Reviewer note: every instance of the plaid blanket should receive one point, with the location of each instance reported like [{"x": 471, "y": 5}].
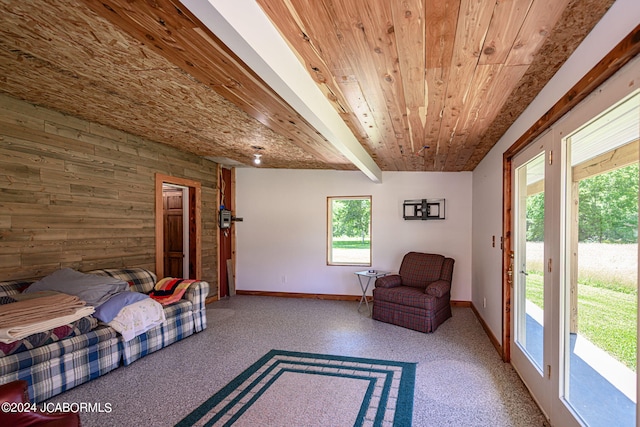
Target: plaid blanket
[
  {"x": 73, "y": 329},
  {"x": 20, "y": 319},
  {"x": 170, "y": 290}
]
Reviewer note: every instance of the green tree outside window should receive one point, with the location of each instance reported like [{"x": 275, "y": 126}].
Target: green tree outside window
[{"x": 349, "y": 230}]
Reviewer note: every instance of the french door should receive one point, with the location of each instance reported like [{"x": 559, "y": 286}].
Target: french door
[
  {"x": 574, "y": 306},
  {"x": 599, "y": 282},
  {"x": 531, "y": 310}
]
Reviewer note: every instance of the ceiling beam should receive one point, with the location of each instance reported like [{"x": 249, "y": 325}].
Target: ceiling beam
[
  {"x": 247, "y": 31},
  {"x": 607, "y": 162}
]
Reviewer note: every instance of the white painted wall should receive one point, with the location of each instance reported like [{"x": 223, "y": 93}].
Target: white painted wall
[
  {"x": 619, "y": 21},
  {"x": 281, "y": 244}
]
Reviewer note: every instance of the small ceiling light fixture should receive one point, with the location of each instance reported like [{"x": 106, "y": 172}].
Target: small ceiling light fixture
[{"x": 256, "y": 157}]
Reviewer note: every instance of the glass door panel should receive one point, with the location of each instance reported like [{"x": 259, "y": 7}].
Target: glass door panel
[
  {"x": 528, "y": 260},
  {"x": 600, "y": 279},
  {"x": 530, "y": 322}
]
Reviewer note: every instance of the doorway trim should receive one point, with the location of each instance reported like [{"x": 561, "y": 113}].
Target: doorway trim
[
  {"x": 195, "y": 188},
  {"x": 617, "y": 58},
  {"x": 186, "y": 224},
  {"x": 226, "y": 195}
]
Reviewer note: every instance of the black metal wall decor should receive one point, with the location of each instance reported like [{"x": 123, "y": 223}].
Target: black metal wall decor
[{"x": 423, "y": 209}]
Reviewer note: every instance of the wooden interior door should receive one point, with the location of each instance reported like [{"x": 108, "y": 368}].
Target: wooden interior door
[
  {"x": 194, "y": 224},
  {"x": 173, "y": 217}
]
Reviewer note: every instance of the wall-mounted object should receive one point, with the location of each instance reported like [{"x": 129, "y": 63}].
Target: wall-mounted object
[
  {"x": 423, "y": 209},
  {"x": 225, "y": 218}
]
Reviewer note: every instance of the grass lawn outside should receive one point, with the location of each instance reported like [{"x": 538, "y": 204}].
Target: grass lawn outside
[
  {"x": 351, "y": 244},
  {"x": 609, "y": 265},
  {"x": 352, "y": 251},
  {"x": 606, "y": 317},
  {"x": 607, "y": 294}
]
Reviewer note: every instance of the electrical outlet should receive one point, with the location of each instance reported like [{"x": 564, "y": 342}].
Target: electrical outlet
[
  {"x": 284, "y": 278},
  {"x": 484, "y": 302}
]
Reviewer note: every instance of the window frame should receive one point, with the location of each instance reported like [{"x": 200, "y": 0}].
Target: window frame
[{"x": 330, "y": 260}]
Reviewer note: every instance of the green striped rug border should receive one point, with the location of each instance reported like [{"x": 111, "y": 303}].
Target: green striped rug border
[{"x": 404, "y": 403}]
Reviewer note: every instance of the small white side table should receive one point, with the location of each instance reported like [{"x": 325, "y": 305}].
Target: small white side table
[{"x": 369, "y": 274}]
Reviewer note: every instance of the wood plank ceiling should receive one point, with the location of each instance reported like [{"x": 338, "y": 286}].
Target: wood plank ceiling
[{"x": 424, "y": 85}]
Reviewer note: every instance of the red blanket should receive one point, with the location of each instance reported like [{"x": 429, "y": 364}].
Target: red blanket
[{"x": 170, "y": 290}]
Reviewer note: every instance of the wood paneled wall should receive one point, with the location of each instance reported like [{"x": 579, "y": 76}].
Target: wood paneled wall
[{"x": 81, "y": 195}]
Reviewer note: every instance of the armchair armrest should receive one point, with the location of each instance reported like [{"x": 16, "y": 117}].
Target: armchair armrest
[
  {"x": 18, "y": 392},
  {"x": 391, "y": 281},
  {"x": 14, "y": 392},
  {"x": 197, "y": 293},
  {"x": 438, "y": 288}
]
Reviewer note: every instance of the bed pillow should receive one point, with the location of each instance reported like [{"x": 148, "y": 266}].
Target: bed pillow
[
  {"x": 110, "y": 309},
  {"x": 138, "y": 318},
  {"x": 91, "y": 288}
]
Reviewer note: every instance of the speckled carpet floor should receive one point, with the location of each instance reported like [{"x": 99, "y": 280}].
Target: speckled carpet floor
[{"x": 460, "y": 379}]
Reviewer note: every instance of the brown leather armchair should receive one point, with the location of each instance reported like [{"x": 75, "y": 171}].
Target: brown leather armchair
[
  {"x": 418, "y": 297},
  {"x": 18, "y": 392}
]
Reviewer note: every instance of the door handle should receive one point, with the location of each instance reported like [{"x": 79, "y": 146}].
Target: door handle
[
  {"x": 524, "y": 272},
  {"x": 510, "y": 270}
]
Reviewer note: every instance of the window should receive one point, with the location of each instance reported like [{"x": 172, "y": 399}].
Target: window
[{"x": 349, "y": 230}]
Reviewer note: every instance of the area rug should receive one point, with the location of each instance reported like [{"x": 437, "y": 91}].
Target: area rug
[{"x": 286, "y": 388}]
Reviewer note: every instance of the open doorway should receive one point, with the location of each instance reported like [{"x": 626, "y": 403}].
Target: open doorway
[
  {"x": 226, "y": 237},
  {"x": 178, "y": 229}
]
